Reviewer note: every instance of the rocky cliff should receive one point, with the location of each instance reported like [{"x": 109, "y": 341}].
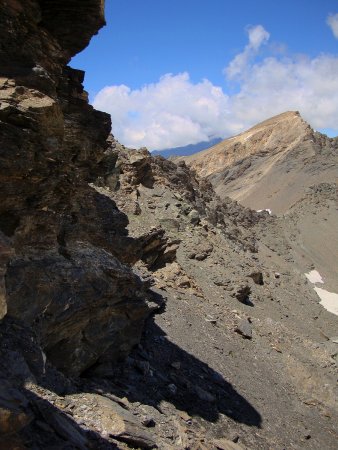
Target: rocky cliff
[
  {"x": 270, "y": 165},
  {"x": 64, "y": 245},
  {"x": 65, "y": 261}
]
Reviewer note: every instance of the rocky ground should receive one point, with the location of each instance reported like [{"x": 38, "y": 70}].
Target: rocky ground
[{"x": 242, "y": 345}]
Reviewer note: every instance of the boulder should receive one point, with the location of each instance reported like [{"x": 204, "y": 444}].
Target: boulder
[{"x": 112, "y": 420}]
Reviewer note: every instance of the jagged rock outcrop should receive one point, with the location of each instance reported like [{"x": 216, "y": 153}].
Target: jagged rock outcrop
[
  {"x": 129, "y": 173},
  {"x": 65, "y": 251},
  {"x": 271, "y": 164}
]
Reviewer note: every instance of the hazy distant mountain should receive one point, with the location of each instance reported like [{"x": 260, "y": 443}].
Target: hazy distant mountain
[
  {"x": 187, "y": 149},
  {"x": 271, "y": 164}
]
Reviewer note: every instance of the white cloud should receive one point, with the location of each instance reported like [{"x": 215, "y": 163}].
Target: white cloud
[
  {"x": 257, "y": 36},
  {"x": 332, "y": 22},
  {"x": 175, "y": 111},
  {"x": 172, "y": 112}
]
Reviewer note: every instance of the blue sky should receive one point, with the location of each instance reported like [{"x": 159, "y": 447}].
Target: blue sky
[{"x": 179, "y": 72}]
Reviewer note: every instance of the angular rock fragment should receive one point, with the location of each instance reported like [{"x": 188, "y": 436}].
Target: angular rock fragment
[
  {"x": 257, "y": 278},
  {"x": 225, "y": 444},
  {"x": 194, "y": 217},
  {"x": 244, "y": 328},
  {"x": 113, "y": 420}
]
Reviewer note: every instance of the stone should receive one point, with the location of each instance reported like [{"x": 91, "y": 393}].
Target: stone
[
  {"x": 142, "y": 366},
  {"x": 114, "y": 420},
  {"x": 176, "y": 365},
  {"x": 96, "y": 281},
  {"x": 201, "y": 256},
  {"x": 211, "y": 320},
  {"x": 257, "y": 278},
  {"x": 225, "y": 444},
  {"x": 185, "y": 208},
  {"x": 11, "y": 443},
  {"x": 149, "y": 422},
  {"x": 204, "y": 395},
  {"x": 194, "y": 217},
  {"x": 244, "y": 328},
  {"x": 170, "y": 224},
  {"x": 184, "y": 282}
]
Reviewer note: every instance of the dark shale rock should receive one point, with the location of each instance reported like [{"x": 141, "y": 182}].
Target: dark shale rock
[
  {"x": 76, "y": 304},
  {"x": 64, "y": 246}
]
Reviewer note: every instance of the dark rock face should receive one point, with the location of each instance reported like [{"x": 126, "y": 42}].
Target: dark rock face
[
  {"x": 64, "y": 246},
  {"x": 71, "y": 25},
  {"x": 82, "y": 304}
]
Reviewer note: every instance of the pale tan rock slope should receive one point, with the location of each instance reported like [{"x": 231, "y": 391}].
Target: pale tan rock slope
[{"x": 270, "y": 165}]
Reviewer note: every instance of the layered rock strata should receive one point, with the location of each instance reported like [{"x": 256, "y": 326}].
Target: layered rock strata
[{"x": 65, "y": 251}]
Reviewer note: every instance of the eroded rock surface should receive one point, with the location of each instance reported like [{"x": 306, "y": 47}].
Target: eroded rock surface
[{"x": 67, "y": 245}]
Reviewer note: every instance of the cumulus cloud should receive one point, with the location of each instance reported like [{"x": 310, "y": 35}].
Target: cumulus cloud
[
  {"x": 175, "y": 111},
  {"x": 277, "y": 85},
  {"x": 332, "y": 22},
  {"x": 172, "y": 112},
  {"x": 257, "y": 37}
]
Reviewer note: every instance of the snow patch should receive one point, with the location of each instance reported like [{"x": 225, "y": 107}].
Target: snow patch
[
  {"x": 267, "y": 209},
  {"x": 314, "y": 277},
  {"x": 329, "y": 300}
]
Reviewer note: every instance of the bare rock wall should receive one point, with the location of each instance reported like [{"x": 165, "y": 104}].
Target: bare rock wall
[{"x": 65, "y": 252}]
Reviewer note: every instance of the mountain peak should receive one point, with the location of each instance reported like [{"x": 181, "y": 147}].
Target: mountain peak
[
  {"x": 270, "y": 136},
  {"x": 279, "y": 151},
  {"x": 279, "y": 124}
]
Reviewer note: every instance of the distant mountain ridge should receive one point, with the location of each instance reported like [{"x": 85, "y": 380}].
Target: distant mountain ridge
[
  {"x": 271, "y": 164},
  {"x": 186, "y": 150}
]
